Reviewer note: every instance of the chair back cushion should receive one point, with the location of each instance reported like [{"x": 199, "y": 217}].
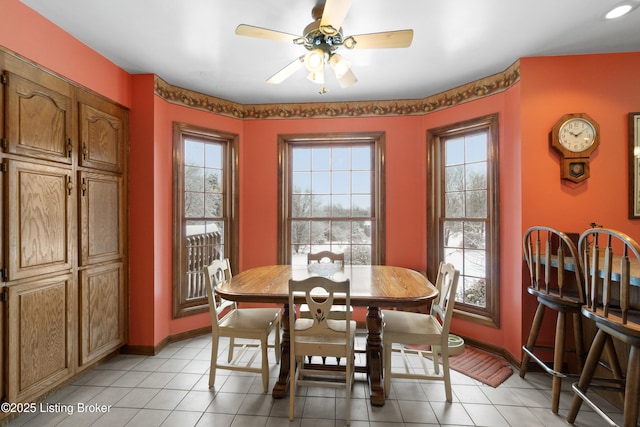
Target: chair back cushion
[{"x": 545, "y": 249}]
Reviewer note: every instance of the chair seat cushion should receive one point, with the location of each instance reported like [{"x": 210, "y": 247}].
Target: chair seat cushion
[
  {"x": 411, "y": 327},
  {"x": 333, "y": 324},
  {"x": 324, "y": 344},
  {"x": 250, "y": 318},
  {"x": 338, "y": 308}
]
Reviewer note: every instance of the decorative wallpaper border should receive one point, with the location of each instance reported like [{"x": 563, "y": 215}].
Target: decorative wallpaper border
[{"x": 487, "y": 86}]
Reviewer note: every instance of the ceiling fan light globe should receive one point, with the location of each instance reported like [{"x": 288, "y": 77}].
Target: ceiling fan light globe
[
  {"x": 339, "y": 65},
  {"x": 314, "y": 60},
  {"x": 347, "y": 79}
]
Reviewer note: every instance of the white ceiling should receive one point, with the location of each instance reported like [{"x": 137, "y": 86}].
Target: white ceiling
[{"x": 192, "y": 43}]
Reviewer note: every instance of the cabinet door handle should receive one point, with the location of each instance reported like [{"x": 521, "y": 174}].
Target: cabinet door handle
[
  {"x": 83, "y": 186},
  {"x": 69, "y": 147},
  {"x": 69, "y": 185},
  {"x": 85, "y": 151}
]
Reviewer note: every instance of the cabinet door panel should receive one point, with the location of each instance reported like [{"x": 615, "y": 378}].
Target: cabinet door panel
[
  {"x": 101, "y": 218},
  {"x": 102, "y": 305},
  {"x": 39, "y": 120},
  {"x": 101, "y": 134},
  {"x": 40, "y": 219},
  {"x": 41, "y": 335}
]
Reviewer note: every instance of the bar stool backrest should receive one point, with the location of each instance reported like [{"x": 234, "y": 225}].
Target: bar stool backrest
[
  {"x": 611, "y": 262},
  {"x": 545, "y": 249}
]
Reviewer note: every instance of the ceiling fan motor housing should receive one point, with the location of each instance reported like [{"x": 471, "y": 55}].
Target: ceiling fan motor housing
[{"x": 317, "y": 38}]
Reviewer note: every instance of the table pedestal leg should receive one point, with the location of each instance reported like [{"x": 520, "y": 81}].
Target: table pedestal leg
[
  {"x": 281, "y": 386},
  {"x": 374, "y": 356}
]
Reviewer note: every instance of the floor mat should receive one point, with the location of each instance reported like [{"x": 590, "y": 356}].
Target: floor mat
[{"x": 480, "y": 365}]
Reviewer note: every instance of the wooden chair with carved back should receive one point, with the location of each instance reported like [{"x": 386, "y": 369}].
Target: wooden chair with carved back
[
  {"x": 321, "y": 335},
  {"x": 431, "y": 329},
  {"x": 337, "y": 312}
]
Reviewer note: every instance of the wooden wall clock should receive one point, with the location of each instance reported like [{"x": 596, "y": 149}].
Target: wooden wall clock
[{"x": 575, "y": 136}]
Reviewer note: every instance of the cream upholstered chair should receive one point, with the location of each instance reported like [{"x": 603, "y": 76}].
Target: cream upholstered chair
[
  {"x": 320, "y": 335},
  {"x": 611, "y": 263},
  {"x": 337, "y": 312},
  {"x": 432, "y": 329},
  {"x": 555, "y": 270},
  {"x": 227, "y": 320}
]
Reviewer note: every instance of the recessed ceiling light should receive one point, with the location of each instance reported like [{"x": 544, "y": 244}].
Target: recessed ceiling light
[{"x": 618, "y": 11}]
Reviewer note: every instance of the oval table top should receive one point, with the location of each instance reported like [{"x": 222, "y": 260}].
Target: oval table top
[{"x": 371, "y": 285}]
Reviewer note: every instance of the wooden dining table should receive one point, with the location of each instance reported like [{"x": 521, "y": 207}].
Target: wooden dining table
[{"x": 372, "y": 286}]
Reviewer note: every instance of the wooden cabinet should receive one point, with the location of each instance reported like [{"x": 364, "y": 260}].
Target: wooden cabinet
[
  {"x": 102, "y": 292},
  {"x": 40, "y": 331},
  {"x": 102, "y": 308},
  {"x": 101, "y": 133},
  {"x": 63, "y": 240},
  {"x": 102, "y": 225},
  {"x": 101, "y": 218},
  {"x": 38, "y": 117},
  {"x": 40, "y": 219}
]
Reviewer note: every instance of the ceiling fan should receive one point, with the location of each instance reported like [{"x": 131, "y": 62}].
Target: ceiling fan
[{"x": 322, "y": 38}]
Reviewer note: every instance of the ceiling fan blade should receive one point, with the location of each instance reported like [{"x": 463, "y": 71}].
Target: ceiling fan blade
[
  {"x": 389, "y": 39},
  {"x": 287, "y": 71},
  {"x": 263, "y": 33},
  {"x": 347, "y": 79},
  {"x": 334, "y": 13}
]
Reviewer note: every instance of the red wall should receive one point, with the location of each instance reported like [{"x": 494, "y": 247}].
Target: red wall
[
  {"x": 506, "y": 104},
  {"x": 27, "y": 33},
  {"x": 165, "y": 115},
  {"x": 604, "y": 86},
  {"x": 142, "y": 304}
]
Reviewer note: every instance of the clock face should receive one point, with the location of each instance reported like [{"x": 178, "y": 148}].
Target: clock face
[{"x": 576, "y": 135}]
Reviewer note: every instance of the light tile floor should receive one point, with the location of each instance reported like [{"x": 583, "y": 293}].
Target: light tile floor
[{"x": 171, "y": 389}]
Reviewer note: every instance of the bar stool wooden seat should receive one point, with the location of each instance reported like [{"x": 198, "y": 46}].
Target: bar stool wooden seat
[
  {"x": 560, "y": 289},
  {"x": 611, "y": 260}
]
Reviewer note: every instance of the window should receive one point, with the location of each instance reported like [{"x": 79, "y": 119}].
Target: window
[
  {"x": 463, "y": 221},
  {"x": 205, "y": 179},
  {"x": 331, "y": 197}
]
